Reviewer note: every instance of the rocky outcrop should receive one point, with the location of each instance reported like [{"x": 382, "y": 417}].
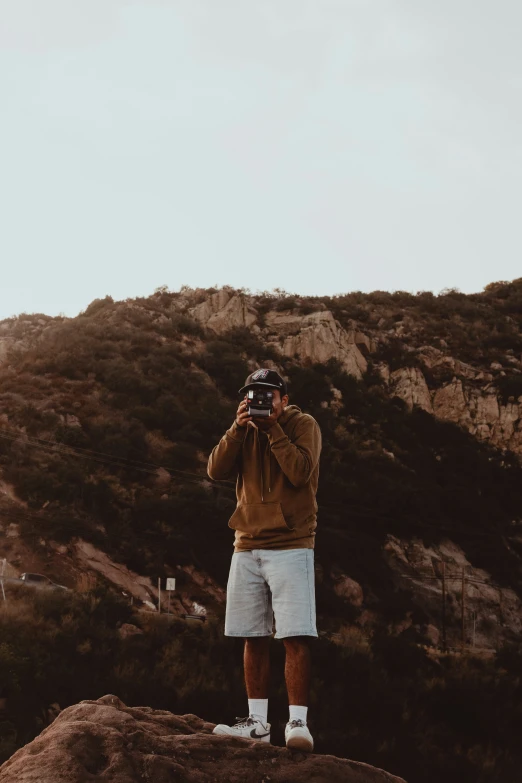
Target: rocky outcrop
[
  {"x": 493, "y": 614},
  {"x": 482, "y": 413},
  {"x": 104, "y": 740},
  {"x": 435, "y": 359},
  {"x": 94, "y": 559},
  {"x": 318, "y": 337},
  {"x": 223, "y": 311},
  {"x": 468, "y": 399},
  {"x": 410, "y": 385},
  {"x": 18, "y": 334},
  {"x": 348, "y": 589},
  {"x": 206, "y": 590}
]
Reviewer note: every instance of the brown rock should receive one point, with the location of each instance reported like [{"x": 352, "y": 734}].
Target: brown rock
[
  {"x": 410, "y": 385},
  {"x": 349, "y": 590},
  {"x": 94, "y": 559},
  {"x": 318, "y": 337},
  {"x": 221, "y": 312},
  {"x": 413, "y": 559},
  {"x": 104, "y": 740},
  {"x": 128, "y": 629}
]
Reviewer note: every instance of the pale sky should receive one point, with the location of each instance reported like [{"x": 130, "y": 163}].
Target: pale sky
[{"x": 320, "y": 146}]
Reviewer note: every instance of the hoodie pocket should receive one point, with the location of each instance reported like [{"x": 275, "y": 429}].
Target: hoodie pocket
[{"x": 257, "y": 518}]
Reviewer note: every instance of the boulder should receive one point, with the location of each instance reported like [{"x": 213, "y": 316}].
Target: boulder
[
  {"x": 128, "y": 629},
  {"x": 349, "y": 590},
  {"x": 104, "y": 740},
  {"x": 432, "y": 635}
]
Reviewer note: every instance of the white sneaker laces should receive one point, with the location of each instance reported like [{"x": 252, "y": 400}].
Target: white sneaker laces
[{"x": 248, "y": 721}]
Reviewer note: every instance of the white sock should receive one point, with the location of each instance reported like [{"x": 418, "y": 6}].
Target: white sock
[
  {"x": 298, "y": 713},
  {"x": 258, "y": 708}
]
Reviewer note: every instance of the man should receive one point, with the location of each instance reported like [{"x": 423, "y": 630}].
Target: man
[{"x": 276, "y": 461}]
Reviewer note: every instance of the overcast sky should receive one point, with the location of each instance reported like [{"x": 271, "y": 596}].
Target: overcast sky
[{"x": 320, "y": 146}]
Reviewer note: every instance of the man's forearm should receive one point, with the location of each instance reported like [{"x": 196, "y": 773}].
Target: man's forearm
[
  {"x": 223, "y": 459},
  {"x": 296, "y": 460}
]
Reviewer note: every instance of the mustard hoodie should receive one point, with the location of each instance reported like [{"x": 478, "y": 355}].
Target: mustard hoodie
[{"x": 277, "y": 474}]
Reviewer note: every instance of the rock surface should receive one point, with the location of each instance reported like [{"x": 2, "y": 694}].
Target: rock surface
[
  {"x": 318, "y": 337},
  {"x": 221, "y": 312},
  {"x": 469, "y": 399},
  {"x": 498, "y": 610},
  {"x": 104, "y": 740}
]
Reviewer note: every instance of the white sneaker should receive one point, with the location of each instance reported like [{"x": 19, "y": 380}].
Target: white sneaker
[
  {"x": 297, "y": 736},
  {"x": 247, "y": 728}
]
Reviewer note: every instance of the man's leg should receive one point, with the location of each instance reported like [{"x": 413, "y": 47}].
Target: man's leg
[
  {"x": 297, "y": 669},
  {"x": 256, "y": 659},
  {"x": 290, "y": 575},
  {"x": 297, "y": 676},
  {"x": 249, "y": 615}
]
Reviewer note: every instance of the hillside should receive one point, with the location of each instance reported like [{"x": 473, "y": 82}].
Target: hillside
[{"x": 107, "y": 419}]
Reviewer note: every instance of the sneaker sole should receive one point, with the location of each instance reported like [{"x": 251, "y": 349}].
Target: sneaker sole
[{"x": 300, "y": 743}]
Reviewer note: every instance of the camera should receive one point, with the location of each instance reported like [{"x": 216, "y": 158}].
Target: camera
[{"x": 259, "y": 402}]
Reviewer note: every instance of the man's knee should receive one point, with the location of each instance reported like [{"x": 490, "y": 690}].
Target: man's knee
[
  {"x": 257, "y": 642},
  {"x": 296, "y": 643}
]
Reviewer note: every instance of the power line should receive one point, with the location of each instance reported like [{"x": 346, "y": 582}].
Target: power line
[
  {"x": 151, "y": 468},
  {"x": 100, "y": 457}
]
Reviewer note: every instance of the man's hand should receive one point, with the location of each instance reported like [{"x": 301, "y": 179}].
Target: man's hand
[{"x": 242, "y": 417}]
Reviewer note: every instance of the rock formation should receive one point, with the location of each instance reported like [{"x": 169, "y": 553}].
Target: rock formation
[
  {"x": 469, "y": 399},
  {"x": 410, "y": 385},
  {"x": 464, "y": 394},
  {"x": 498, "y": 609},
  {"x": 222, "y": 311},
  {"x": 104, "y": 740},
  {"x": 90, "y": 559},
  {"x": 317, "y": 337}
]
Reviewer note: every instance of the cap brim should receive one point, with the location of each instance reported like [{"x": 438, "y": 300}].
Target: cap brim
[{"x": 252, "y": 385}]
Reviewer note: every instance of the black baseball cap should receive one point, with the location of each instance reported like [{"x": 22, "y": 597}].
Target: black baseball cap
[{"x": 269, "y": 378}]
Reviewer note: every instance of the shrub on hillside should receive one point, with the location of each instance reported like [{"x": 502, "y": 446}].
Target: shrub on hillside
[{"x": 509, "y": 386}]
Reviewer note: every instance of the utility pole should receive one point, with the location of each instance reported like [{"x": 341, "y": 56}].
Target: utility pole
[
  {"x": 444, "y": 641},
  {"x": 439, "y": 567},
  {"x": 2, "y": 578},
  {"x": 462, "y": 619}
]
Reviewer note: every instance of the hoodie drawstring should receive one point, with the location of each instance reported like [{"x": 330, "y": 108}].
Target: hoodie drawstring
[
  {"x": 260, "y": 462},
  {"x": 262, "y": 452}
]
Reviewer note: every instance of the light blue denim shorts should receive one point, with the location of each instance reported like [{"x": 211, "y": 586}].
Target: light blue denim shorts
[{"x": 267, "y": 585}]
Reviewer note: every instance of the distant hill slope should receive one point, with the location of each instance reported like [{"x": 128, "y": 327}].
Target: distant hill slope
[{"x": 107, "y": 419}]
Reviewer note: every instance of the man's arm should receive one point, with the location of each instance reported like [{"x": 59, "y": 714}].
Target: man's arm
[
  {"x": 297, "y": 459},
  {"x": 223, "y": 460}
]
